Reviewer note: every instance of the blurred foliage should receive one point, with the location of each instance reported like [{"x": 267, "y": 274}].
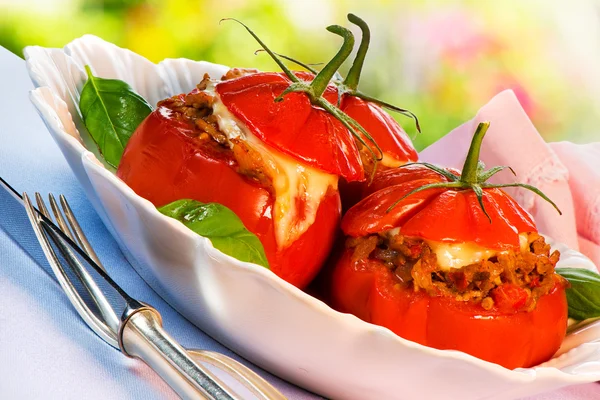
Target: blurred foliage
[{"x": 441, "y": 59}]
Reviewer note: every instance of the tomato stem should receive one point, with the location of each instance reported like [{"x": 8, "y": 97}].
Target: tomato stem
[
  {"x": 469, "y": 173},
  {"x": 319, "y": 84},
  {"x": 473, "y": 176},
  {"x": 388, "y": 106},
  {"x": 485, "y": 175},
  {"x": 354, "y": 127},
  {"x": 314, "y": 91},
  {"x": 525, "y": 186},
  {"x": 353, "y": 76},
  {"x": 307, "y": 67},
  {"x": 479, "y": 194},
  {"x": 440, "y": 185},
  {"x": 449, "y": 175},
  {"x": 349, "y": 85},
  {"x": 285, "y": 69}
]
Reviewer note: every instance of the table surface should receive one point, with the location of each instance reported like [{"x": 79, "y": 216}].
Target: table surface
[{"x": 46, "y": 350}]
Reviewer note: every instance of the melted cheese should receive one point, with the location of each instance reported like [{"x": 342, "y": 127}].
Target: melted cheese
[
  {"x": 390, "y": 161},
  {"x": 291, "y": 179},
  {"x": 457, "y": 255}
]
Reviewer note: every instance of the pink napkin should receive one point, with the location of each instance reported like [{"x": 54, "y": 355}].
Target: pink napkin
[{"x": 567, "y": 173}]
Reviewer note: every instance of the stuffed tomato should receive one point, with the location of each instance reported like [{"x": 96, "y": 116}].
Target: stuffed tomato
[
  {"x": 449, "y": 261},
  {"x": 220, "y": 144}
]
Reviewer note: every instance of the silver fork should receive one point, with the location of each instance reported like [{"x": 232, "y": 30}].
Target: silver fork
[{"x": 137, "y": 329}]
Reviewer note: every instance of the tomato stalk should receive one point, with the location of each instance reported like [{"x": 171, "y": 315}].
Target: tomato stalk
[
  {"x": 349, "y": 85},
  {"x": 308, "y": 67},
  {"x": 351, "y": 81},
  {"x": 320, "y": 82},
  {"x": 473, "y": 175},
  {"x": 315, "y": 89},
  {"x": 469, "y": 174}
]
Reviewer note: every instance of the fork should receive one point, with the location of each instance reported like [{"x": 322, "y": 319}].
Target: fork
[{"x": 137, "y": 330}]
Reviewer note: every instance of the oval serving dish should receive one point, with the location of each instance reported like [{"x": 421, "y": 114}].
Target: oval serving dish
[{"x": 245, "y": 306}]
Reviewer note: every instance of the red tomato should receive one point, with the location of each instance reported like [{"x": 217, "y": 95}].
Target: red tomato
[
  {"x": 309, "y": 134},
  {"x": 429, "y": 203},
  {"x": 444, "y": 215},
  {"x": 162, "y": 163},
  {"x": 503, "y": 336}
]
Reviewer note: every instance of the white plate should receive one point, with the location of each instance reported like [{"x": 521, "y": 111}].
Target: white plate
[{"x": 247, "y": 307}]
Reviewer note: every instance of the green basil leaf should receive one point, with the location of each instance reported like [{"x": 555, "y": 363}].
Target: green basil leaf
[
  {"x": 584, "y": 294},
  {"x": 111, "y": 112},
  {"x": 221, "y": 225}
]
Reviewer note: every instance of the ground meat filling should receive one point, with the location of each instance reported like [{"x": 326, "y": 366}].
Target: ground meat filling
[
  {"x": 368, "y": 162},
  {"x": 196, "y": 108},
  {"x": 234, "y": 73},
  {"x": 415, "y": 265}
]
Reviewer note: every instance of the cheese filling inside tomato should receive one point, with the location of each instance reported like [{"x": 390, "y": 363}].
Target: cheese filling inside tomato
[
  {"x": 390, "y": 161},
  {"x": 298, "y": 188},
  {"x": 457, "y": 255}
]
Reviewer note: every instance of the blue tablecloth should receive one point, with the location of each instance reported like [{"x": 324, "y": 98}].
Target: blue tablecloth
[{"x": 46, "y": 350}]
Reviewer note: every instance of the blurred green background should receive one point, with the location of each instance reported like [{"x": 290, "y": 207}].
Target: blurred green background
[{"x": 441, "y": 59}]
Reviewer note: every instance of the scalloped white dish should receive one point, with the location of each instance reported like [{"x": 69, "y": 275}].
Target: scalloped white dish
[{"x": 244, "y": 306}]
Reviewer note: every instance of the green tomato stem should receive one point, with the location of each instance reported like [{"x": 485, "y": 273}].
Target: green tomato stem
[
  {"x": 389, "y": 106},
  {"x": 307, "y": 67},
  {"x": 474, "y": 176},
  {"x": 525, "y": 186},
  {"x": 314, "y": 91},
  {"x": 285, "y": 69},
  {"x": 353, "y": 126},
  {"x": 440, "y": 185},
  {"x": 469, "y": 171},
  {"x": 353, "y": 76},
  {"x": 319, "y": 84}
]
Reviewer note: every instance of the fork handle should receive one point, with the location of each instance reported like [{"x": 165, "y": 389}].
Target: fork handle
[{"x": 142, "y": 336}]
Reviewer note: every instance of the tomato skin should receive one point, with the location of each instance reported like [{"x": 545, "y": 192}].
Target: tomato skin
[
  {"x": 367, "y": 289},
  {"x": 398, "y": 176},
  {"x": 386, "y": 131},
  {"x": 371, "y": 214},
  {"x": 162, "y": 164},
  {"x": 353, "y": 192}
]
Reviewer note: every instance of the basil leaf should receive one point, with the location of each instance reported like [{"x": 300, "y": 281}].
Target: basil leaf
[
  {"x": 221, "y": 225},
  {"x": 111, "y": 112},
  {"x": 584, "y": 294}
]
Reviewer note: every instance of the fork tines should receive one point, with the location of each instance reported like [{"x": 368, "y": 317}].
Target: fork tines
[{"x": 106, "y": 324}]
